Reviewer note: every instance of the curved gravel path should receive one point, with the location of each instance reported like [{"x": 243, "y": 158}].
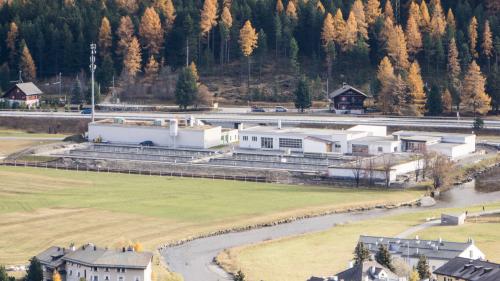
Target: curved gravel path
[{"x": 195, "y": 259}]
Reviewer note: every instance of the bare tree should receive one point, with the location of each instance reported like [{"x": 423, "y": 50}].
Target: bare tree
[
  {"x": 387, "y": 164},
  {"x": 418, "y": 166},
  {"x": 427, "y": 157},
  {"x": 440, "y": 170},
  {"x": 369, "y": 167},
  {"x": 357, "y": 168}
]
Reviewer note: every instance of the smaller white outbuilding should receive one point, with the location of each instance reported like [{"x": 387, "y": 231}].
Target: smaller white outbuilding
[{"x": 452, "y": 145}]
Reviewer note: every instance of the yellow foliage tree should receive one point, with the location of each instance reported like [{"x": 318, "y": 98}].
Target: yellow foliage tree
[
  {"x": 447, "y": 100},
  {"x": 388, "y": 10},
  {"x": 339, "y": 27},
  {"x": 194, "y": 70},
  {"x": 56, "y": 276},
  {"x": 291, "y": 10},
  {"x": 128, "y": 5},
  {"x": 487, "y": 44},
  {"x": 248, "y": 42},
  {"x": 416, "y": 89},
  {"x": 151, "y": 32},
  {"x": 105, "y": 40},
  {"x": 359, "y": 14},
  {"x": 350, "y": 33},
  {"x": 166, "y": 7},
  {"x": 414, "y": 12},
  {"x": 413, "y": 35},
  {"x": 396, "y": 48},
  {"x": 474, "y": 98},
  {"x": 125, "y": 33},
  {"x": 151, "y": 70},
  {"x": 414, "y": 276},
  {"x": 438, "y": 21},
  {"x": 279, "y": 6},
  {"x": 27, "y": 64},
  {"x": 328, "y": 41},
  {"x": 386, "y": 77},
  {"x": 208, "y": 17},
  {"x": 453, "y": 63},
  {"x": 387, "y": 30},
  {"x": 372, "y": 11},
  {"x": 12, "y": 36},
  {"x": 472, "y": 31},
  {"x": 450, "y": 20},
  {"x": 132, "y": 61},
  {"x": 425, "y": 20},
  {"x": 137, "y": 247},
  {"x": 320, "y": 7}
]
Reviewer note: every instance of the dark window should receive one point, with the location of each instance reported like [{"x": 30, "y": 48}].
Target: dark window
[
  {"x": 290, "y": 143},
  {"x": 266, "y": 142}
]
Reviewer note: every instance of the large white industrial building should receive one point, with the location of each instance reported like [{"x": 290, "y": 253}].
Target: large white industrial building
[
  {"x": 168, "y": 133},
  {"x": 358, "y": 140}
]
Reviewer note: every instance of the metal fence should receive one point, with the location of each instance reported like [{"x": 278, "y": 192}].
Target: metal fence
[{"x": 161, "y": 173}]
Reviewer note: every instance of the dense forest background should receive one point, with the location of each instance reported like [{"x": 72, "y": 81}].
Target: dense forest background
[{"x": 148, "y": 41}]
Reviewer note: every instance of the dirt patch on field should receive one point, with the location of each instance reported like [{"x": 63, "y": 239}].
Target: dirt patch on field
[{"x": 46, "y": 125}]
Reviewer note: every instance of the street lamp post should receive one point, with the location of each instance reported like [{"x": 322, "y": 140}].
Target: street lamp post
[{"x": 93, "y": 52}]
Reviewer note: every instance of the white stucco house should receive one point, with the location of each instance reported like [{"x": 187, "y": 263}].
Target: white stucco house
[
  {"x": 96, "y": 264},
  {"x": 438, "y": 252}
]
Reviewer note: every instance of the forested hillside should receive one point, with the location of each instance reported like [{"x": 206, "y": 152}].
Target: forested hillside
[{"x": 258, "y": 49}]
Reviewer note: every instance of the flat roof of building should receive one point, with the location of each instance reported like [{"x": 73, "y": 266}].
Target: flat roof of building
[
  {"x": 435, "y": 249},
  {"x": 421, "y": 138},
  {"x": 298, "y": 130},
  {"x": 433, "y": 134},
  {"x": 183, "y": 124},
  {"x": 373, "y": 139},
  {"x": 445, "y": 145}
]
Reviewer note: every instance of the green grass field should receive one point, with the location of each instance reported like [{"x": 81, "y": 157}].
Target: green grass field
[
  {"x": 326, "y": 253},
  {"x": 41, "y": 207}
]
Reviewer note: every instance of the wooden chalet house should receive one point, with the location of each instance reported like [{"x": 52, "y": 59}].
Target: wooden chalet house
[
  {"x": 23, "y": 94},
  {"x": 347, "y": 100}
]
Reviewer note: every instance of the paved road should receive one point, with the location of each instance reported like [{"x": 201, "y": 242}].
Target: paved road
[
  {"x": 194, "y": 260},
  {"x": 287, "y": 119}
]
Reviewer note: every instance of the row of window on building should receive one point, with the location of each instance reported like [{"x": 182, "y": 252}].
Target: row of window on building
[{"x": 268, "y": 143}]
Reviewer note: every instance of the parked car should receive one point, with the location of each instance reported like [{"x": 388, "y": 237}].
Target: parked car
[
  {"x": 257, "y": 109},
  {"x": 147, "y": 143},
  {"x": 280, "y": 109},
  {"x": 86, "y": 111}
]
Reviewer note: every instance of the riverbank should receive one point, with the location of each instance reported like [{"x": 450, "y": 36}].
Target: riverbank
[{"x": 325, "y": 253}]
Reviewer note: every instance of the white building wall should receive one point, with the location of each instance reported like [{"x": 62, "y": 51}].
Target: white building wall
[
  {"x": 75, "y": 271},
  {"x": 349, "y": 173},
  {"x": 160, "y": 136},
  {"x": 127, "y": 134},
  {"x": 376, "y": 131},
  {"x": 472, "y": 252},
  {"x": 314, "y": 146}
]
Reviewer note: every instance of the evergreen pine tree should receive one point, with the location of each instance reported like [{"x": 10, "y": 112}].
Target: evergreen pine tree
[
  {"x": 186, "y": 88},
  {"x": 361, "y": 253},
  {"x": 34, "y": 272},
  {"x": 434, "y": 102},
  {"x": 303, "y": 94},
  {"x": 384, "y": 258},
  {"x": 423, "y": 268},
  {"x": 77, "y": 92}
]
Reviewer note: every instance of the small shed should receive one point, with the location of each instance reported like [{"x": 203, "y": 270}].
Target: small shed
[
  {"x": 23, "y": 93},
  {"x": 453, "y": 219},
  {"x": 347, "y": 99}
]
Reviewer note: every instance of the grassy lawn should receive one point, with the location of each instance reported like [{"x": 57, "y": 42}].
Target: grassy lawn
[
  {"x": 326, "y": 253},
  {"x": 42, "y": 207}
]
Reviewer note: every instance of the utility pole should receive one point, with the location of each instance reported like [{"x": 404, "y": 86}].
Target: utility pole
[
  {"x": 20, "y": 79},
  {"x": 93, "y": 52}
]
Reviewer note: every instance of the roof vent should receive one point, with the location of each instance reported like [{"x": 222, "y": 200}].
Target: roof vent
[
  {"x": 95, "y": 248},
  {"x": 123, "y": 249},
  {"x": 344, "y": 84}
]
